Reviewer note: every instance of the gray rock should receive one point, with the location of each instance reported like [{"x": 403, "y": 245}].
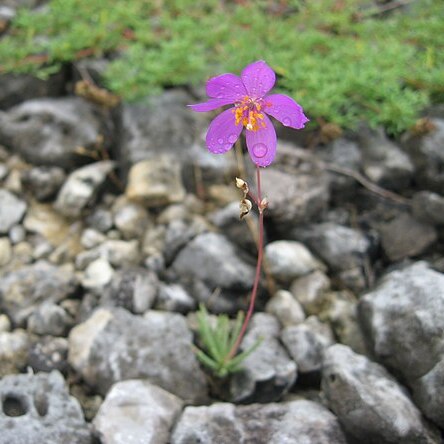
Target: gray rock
[
  {"x": 155, "y": 182},
  {"x": 345, "y": 154},
  {"x": 212, "y": 258},
  {"x": 201, "y": 167},
  {"x": 6, "y": 14},
  {"x": 307, "y": 342},
  {"x": 100, "y": 219},
  {"x": 49, "y": 319},
  {"x": 17, "y": 234},
  {"x": 5, "y": 251},
  {"x": 43, "y": 182},
  {"x": 370, "y": 404},
  {"x": 384, "y": 162},
  {"x": 267, "y": 373},
  {"x": 120, "y": 253},
  {"x": 112, "y": 346},
  {"x": 178, "y": 234},
  {"x": 342, "y": 313},
  {"x": 285, "y": 308},
  {"x": 342, "y": 248},
  {"x": 288, "y": 260},
  {"x": 227, "y": 220},
  {"x": 50, "y": 131},
  {"x": 97, "y": 275},
  {"x": 22, "y": 291},
  {"x": 296, "y": 422},
  {"x": 162, "y": 124},
  {"x": 38, "y": 409},
  {"x": 13, "y": 351},
  {"x": 174, "y": 297},
  {"x": 82, "y": 187},
  {"x": 402, "y": 320},
  {"x": 137, "y": 411},
  {"x": 405, "y": 237},
  {"x": 311, "y": 292},
  {"x": 12, "y": 210},
  {"x": 130, "y": 218},
  {"x": 4, "y": 171},
  {"x": 53, "y": 228},
  {"x": 428, "y": 207},
  {"x": 5, "y": 323},
  {"x": 134, "y": 289},
  {"x": 428, "y": 156},
  {"x": 92, "y": 238},
  {"x": 48, "y": 353},
  {"x": 294, "y": 198},
  {"x": 17, "y": 88}
]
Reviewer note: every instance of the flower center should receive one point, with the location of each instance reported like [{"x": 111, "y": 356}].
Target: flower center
[{"x": 248, "y": 113}]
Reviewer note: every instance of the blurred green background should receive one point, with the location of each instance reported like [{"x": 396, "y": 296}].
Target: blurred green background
[{"x": 345, "y": 61}]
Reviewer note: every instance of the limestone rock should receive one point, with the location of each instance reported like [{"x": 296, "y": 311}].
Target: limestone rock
[
  {"x": 136, "y": 411},
  {"x": 296, "y": 422},
  {"x": 402, "y": 319},
  {"x": 382, "y": 411},
  {"x": 23, "y": 290},
  {"x": 82, "y": 187},
  {"x": 155, "y": 182},
  {"x": 114, "y": 345},
  {"x": 12, "y": 210},
  {"x": 268, "y": 372},
  {"x": 405, "y": 237},
  {"x": 39, "y": 409},
  {"x": 288, "y": 260},
  {"x": 50, "y": 131}
]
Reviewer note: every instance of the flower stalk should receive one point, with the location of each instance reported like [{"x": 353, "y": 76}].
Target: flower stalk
[
  {"x": 261, "y": 205},
  {"x": 251, "y": 105}
]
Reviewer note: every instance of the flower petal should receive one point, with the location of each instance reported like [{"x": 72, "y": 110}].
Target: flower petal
[
  {"x": 258, "y": 79},
  {"x": 261, "y": 144},
  {"x": 286, "y": 110},
  {"x": 223, "y": 132},
  {"x": 210, "y": 105},
  {"x": 226, "y": 86}
]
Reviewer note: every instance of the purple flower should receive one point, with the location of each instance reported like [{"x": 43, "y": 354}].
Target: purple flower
[{"x": 248, "y": 93}]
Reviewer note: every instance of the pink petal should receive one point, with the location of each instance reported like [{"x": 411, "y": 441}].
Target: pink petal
[
  {"x": 286, "y": 110},
  {"x": 258, "y": 79},
  {"x": 210, "y": 105},
  {"x": 226, "y": 86},
  {"x": 261, "y": 144},
  {"x": 223, "y": 132}
]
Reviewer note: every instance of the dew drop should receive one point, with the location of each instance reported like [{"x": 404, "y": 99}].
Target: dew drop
[
  {"x": 260, "y": 150},
  {"x": 232, "y": 138},
  {"x": 237, "y": 86},
  {"x": 286, "y": 121},
  {"x": 227, "y": 147},
  {"x": 220, "y": 96},
  {"x": 220, "y": 141}
]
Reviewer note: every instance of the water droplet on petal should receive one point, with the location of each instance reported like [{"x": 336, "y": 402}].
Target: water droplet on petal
[
  {"x": 237, "y": 86},
  {"x": 260, "y": 150},
  {"x": 221, "y": 141},
  {"x": 286, "y": 121},
  {"x": 232, "y": 138},
  {"x": 220, "y": 96},
  {"x": 228, "y": 146}
]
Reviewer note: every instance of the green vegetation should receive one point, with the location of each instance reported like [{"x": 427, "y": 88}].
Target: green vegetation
[
  {"x": 218, "y": 339},
  {"x": 343, "y": 60}
]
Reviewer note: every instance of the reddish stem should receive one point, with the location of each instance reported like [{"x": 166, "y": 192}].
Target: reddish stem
[{"x": 236, "y": 345}]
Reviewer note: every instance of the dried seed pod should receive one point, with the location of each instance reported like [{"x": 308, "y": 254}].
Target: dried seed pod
[
  {"x": 242, "y": 185},
  {"x": 245, "y": 207}
]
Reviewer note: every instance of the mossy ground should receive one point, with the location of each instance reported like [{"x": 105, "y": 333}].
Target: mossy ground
[{"x": 344, "y": 60}]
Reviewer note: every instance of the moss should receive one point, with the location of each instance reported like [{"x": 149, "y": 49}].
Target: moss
[{"x": 342, "y": 60}]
